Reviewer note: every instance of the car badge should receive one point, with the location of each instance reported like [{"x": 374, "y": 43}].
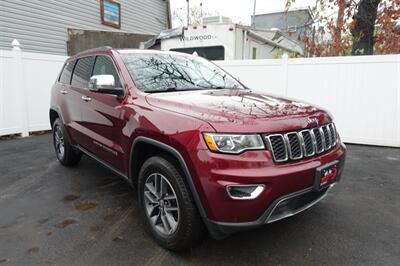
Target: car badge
[{"x": 313, "y": 120}]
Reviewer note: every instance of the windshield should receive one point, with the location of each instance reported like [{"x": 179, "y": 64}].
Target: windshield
[{"x": 175, "y": 72}]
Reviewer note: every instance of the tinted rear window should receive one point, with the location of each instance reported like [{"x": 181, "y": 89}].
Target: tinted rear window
[
  {"x": 82, "y": 72},
  {"x": 65, "y": 77}
]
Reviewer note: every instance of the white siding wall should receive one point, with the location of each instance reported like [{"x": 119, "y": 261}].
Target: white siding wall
[
  {"x": 264, "y": 51},
  {"x": 41, "y": 25}
]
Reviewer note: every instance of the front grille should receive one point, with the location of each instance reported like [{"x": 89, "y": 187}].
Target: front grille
[{"x": 305, "y": 143}]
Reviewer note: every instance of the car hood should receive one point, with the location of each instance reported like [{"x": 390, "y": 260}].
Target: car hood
[{"x": 241, "y": 110}]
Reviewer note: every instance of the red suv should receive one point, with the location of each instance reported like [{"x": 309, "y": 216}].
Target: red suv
[{"x": 202, "y": 150}]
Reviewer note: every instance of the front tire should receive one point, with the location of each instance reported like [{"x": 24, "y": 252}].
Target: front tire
[
  {"x": 167, "y": 207},
  {"x": 66, "y": 154}
]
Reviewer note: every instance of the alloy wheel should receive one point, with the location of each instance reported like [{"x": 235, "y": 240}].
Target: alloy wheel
[
  {"x": 59, "y": 142},
  {"x": 161, "y": 204}
]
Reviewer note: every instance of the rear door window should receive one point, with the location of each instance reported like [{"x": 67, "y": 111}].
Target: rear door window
[
  {"x": 65, "y": 77},
  {"x": 82, "y": 71}
]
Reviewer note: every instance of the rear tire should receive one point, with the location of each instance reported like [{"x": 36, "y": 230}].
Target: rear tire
[
  {"x": 66, "y": 154},
  {"x": 167, "y": 207}
]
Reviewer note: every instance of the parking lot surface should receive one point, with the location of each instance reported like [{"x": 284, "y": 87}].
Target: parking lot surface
[{"x": 85, "y": 215}]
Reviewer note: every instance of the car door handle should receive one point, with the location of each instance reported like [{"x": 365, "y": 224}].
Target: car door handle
[
  {"x": 63, "y": 91},
  {"x": 86, "y": 98}
]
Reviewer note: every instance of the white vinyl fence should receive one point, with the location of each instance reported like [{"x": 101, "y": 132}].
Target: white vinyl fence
[
  {"x": 25, "y": 83},
  {"x": 362, "y": 93}
]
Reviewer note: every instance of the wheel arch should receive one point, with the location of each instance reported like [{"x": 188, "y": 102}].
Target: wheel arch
[
  {"x": 53, "y": 115},
  {"x": 169, "y": 151}
]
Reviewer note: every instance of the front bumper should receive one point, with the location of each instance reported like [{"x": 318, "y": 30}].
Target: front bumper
[
  {"x": 288, "y": 187},
  {"x": 283, "y": 207}
]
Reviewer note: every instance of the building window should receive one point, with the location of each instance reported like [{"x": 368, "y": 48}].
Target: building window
[
  {"x": 110, "y": 13},
  {"x": 254, "y": 53}
]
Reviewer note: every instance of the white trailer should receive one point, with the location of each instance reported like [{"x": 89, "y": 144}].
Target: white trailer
[{"x": 229, "y": 41}]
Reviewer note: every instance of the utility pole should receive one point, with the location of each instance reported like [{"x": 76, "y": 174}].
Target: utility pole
[
  {"x": 253, "y": 24},
  {"x": 188, "y": 15}
]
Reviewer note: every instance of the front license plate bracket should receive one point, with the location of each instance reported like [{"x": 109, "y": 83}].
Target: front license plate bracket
[{"x": 325, "y": 175}]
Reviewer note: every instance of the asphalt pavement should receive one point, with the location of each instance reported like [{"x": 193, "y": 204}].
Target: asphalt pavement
[{"x": 86, "y": 215}]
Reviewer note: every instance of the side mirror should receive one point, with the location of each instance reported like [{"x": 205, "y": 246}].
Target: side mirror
[{"x": 104, "y": 84}]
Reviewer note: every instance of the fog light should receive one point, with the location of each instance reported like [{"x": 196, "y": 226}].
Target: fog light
[{"x": 244, "y": 192}]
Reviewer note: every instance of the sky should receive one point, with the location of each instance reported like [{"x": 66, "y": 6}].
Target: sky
[{"x": 239, "y": 10}]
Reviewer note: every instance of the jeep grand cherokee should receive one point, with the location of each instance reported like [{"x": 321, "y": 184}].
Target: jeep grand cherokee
[{"x": 202, "y": 150}]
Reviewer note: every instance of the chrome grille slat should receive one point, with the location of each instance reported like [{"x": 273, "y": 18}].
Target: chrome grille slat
[
  {"x": 308, "y": 142},
  {"x": 323, "y": 138},
  {"x": 277, "y": 145},
  {"x": 299, "y": 144},
  {"x": 333, "y": 134},
  {"x": 294, "y": 145},
  {"x": 318, "y": 140},
  {"x": 314, "y": 141},
  {"x": 327, "y": 137}
]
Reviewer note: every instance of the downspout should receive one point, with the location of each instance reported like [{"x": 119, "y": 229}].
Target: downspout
[
  {"x": 244, "y": 44},
  {"x": 169, "y": 22}
]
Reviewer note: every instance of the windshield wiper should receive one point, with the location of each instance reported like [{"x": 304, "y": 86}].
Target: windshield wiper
[
  {"x": 171, "y": 89},
  {"x": 224, "y": 88}
]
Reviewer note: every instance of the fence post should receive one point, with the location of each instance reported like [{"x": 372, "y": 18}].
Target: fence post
[
  {"x": 285, "y": 59},
  {"x": 19, "y": 82},
  {"x": 398, "y": 100},
  {"x": 2, "y": 65}
]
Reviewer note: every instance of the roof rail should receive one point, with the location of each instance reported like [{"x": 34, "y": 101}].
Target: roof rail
[{"x": 96, "y": 49}]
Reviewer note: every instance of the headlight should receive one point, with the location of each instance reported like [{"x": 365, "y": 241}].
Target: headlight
[{"x": 227, "y": 143}]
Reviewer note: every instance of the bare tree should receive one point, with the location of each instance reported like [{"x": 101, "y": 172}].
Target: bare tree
[
  {"x": 354, "y": 27},
  {"x": 196, "y": 13}
]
